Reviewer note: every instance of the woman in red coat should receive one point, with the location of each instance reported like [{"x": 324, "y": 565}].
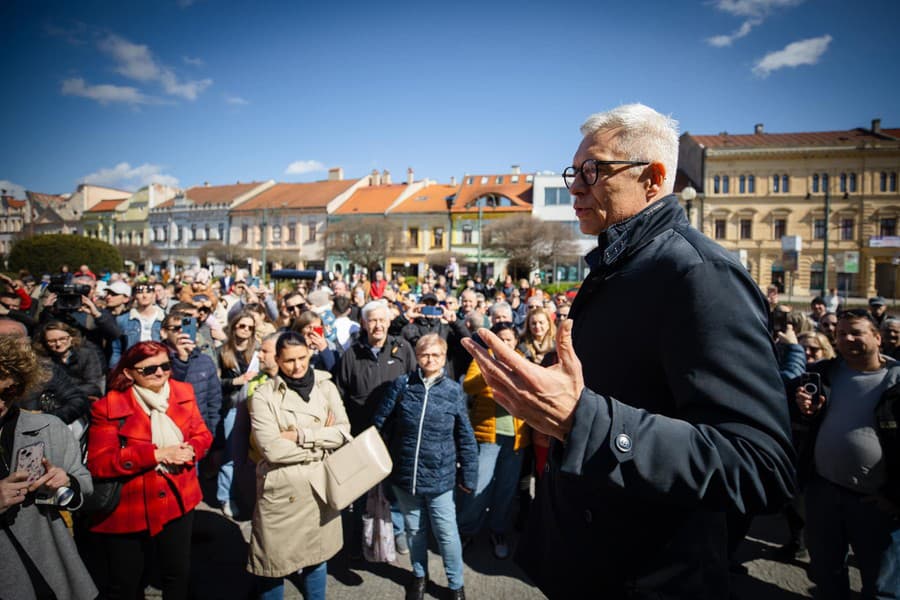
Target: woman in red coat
[{"x": 148, "y": 430}]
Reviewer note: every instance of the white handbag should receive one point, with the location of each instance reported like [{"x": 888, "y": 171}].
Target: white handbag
[{"x": 355, "y": 468}]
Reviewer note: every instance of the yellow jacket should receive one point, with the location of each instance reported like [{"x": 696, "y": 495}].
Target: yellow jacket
[{"x": 483, "y": 410}]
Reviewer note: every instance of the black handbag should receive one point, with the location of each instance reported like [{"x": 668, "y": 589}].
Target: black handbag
[{"x": 106, "y": 494}]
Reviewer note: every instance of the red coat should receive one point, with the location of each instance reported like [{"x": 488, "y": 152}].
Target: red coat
[{"x": 150, "y": 499}]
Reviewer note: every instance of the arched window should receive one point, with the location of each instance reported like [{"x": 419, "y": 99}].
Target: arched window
[
  {"x": 815, "y": 183},
  {"x": 742, "y": 184},
  {"x": 717, "y": 184},
  {"x": 785, "y": 185},
  {"x": 883, "y": 186},
  {"x": 892, "y": 182},
  {"x": 843, "y": 184},
  {"x": 725, "y": 181},
  {"x": 751, "y": 184},
  {"x": 775, "y": 181},
  {"x": 852, "y": 182},
  {"x": 825, "y": 187}
]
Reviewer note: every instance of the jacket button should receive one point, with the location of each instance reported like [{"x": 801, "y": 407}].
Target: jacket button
[
  {"x": 162, "y": 494},
  {"x": 588, "y": 517},
  {"x": 623, "y": 443},
  {"x": 128, "y": 464}
]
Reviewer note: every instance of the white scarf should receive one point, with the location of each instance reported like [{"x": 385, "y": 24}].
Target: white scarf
[{"x": 163, "y": 430}]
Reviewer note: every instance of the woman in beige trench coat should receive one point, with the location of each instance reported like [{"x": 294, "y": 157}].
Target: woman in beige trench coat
[{"x": 295, "y": 417}]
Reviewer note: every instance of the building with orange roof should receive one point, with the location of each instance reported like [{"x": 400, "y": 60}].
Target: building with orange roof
[
  {"x": 424, "y": 221},
  {"x": 834, "y": 192},
  {"x": 197, "y": 221},
  {"x": 481, "y": 198},
  {"x": 366, "y": 214},
  {"x": 287, "y": 222}
]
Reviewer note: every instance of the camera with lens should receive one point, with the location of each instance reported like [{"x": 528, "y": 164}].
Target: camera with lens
[{"x": 68, "y": 295}]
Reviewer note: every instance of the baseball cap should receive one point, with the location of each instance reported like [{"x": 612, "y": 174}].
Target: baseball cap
[
  {"x": 877, "y": 301},
  {"x": 118, "y": 287}
]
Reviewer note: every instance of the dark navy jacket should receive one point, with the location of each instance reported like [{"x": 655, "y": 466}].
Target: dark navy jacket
[
  {"x": 428, "y": 432},
  {"x": 200, "y": 371},
  {"x": 683, "y": 419}
]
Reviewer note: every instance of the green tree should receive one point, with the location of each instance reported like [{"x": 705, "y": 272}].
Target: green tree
[{"x": 46, "y": 253}]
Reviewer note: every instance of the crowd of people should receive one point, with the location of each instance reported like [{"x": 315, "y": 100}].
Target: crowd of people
[{"x": 163, "y": 384}]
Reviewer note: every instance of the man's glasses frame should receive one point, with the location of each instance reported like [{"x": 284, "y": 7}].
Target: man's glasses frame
[
  {"x": 151, "y": 369},
  {"x": 569, "y": 173}
]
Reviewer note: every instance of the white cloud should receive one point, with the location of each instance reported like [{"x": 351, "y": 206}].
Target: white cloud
[
  {"x": 236, "y": 100},
  {"x": 194, "y": 62},
  {"x": 13, "y": 189},
  {"x": 804, "y": 52},
  {"x": 124, "y": 176},
  {"x": 754, "y": 12},
  {"x": 103, "y": 93},
  {"x": 300, "y": 167},
  {"x": 135, "y": 61}
]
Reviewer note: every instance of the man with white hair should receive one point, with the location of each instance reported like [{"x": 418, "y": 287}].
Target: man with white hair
[{"x": 664, "y": 433}]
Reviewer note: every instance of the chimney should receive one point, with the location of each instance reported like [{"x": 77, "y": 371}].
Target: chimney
[
  {"x": 336, "y": 174},
  {"x": 410, "y": 176},
  {"x": 386, "y": 177},
  {"x": 758, "y": 129},
  {"x": 453, "y": 180},
  {"x": 374, "y": 178},
  {"x": 516, "y": 170},
  {"x": 876, "y": 125}
]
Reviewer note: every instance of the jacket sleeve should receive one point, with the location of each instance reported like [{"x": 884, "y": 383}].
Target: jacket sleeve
[
  {"x": 106, "y": 459},
  {"x": 66, "y": 454},
  {"x": 116, "y": 349},
  {"x": 466, "y": 446},
  {"x": 196, "y": 433},
  {"x": 338, "y": 432},
  {"x": 107, "y": 325},
  {"x": 72, "y": 399},
  {"x": 214, "y": 396},
  {"x": 792, "y": 362},
  {"x": 474, "y": 382},
  {"x": 92, "y": 372},
  {"x": 386, "y": 407},
  {"x": 266, "y": 433},
  {"x": 729, "y": 421}
]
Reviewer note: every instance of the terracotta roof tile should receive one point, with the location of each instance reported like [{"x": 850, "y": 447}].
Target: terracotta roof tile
[
  {"x": 106, "y": 205},
  {"x": 315, "y": 195},
  {"x": 851, "y": 137},
  {"x": 518, "y": 193},
  {"x": 427, "y": 200},
  {"x": 214, "y": 194},
  {"x": 371, "y": 200}
]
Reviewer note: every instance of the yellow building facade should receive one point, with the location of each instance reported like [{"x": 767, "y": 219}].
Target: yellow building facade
[{"x": 763, "y": 193}]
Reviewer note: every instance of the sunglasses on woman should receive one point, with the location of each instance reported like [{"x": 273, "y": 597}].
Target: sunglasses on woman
[{"x": 150, "y": 370}]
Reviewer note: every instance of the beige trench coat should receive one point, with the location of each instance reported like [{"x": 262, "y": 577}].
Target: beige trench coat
[{"x": 292, "y": 527}]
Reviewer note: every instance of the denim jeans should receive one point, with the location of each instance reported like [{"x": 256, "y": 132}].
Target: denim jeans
[
  {"x": 314, "y": 579},
  {"x": 226, "y": 470},
  {"x": 498, "y": 478},
  {"x": 837, "y": 518},
  {"x": 441, "y": 513}
]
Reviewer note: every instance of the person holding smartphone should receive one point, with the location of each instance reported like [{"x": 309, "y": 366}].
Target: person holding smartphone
[
  {"x": 39, "y": 557},
  {"x": 325, "y": 353}
]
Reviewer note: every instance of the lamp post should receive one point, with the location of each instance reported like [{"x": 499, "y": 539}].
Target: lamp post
[
  {"x": 688, "y": 194},
  {"x": 450, "y": 200},
  {"x": 265, "y": 216},
  {"x": 480, "y": 208},
  {"x": 825, "y": 244}
]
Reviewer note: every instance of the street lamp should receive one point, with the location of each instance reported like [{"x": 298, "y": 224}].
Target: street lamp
[
  {"x": 450, "y": 200},
  {"x": 825, "y": 244},
  {"x": 688, "y": 194}
]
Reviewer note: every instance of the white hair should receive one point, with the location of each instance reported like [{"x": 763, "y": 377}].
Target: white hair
[
  {"x": 643, "y": 135},
  {"x": 371, "y": 307}
]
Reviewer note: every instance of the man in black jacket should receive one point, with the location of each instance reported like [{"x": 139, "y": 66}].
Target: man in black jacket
[
  {"x": 429, "y": 317},
  {"x": 668, "y": 424}
]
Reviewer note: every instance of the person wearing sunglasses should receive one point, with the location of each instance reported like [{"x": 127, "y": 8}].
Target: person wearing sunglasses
[
  {"x": 140, "y": 324},
  {"x": 147, "y": 431},
  {"x": 657, "y": 425}
]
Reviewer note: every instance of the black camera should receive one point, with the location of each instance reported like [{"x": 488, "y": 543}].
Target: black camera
[{"x": 68, "y": 295}]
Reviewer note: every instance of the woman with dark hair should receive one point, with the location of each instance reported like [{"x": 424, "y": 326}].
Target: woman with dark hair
[
  {"x": 237, "y": 367},
  {"x": 296, "y": 418},
  {"x": 324, "y": 352},
  {"x": 62, "y": 343},
  {"x": 148, "y": 432},
  {"x": 38, "y": 557}
]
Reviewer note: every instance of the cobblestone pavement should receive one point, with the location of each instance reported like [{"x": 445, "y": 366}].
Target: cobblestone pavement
[{"x": 219, "y": 555}]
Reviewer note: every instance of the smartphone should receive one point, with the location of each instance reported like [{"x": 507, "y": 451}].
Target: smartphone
[
  {"x": 31, "y": 460},
  {"x": 189, "y": 326},
  {"x": 812, "y": 385},
  {"x": 320, "y": 331},
  {"x": 254, "y": 282},
  {"x": 432, "y": 311}
]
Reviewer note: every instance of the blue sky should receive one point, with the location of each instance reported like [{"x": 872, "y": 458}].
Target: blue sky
[{"x": 187, "y": 91}]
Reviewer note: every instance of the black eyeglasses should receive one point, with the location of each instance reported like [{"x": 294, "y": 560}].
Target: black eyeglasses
[
  {"x": 143, "y": 289},
  {"x": 148, "y": 371},
  {"x": 173, "y": 328},
  {"x": 590, "y": 170},
  {"x": 294, "y": 307}
]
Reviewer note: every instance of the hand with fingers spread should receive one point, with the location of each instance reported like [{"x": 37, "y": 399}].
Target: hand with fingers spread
[{"x": 545, "y": 397}]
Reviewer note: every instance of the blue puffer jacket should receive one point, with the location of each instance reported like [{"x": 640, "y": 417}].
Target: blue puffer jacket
[{"x": 427, "y": 430}]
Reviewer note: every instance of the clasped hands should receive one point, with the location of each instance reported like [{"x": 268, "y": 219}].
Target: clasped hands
[
  {"x": 545, "y": 397},
  {"x": 175, "y": 455}
]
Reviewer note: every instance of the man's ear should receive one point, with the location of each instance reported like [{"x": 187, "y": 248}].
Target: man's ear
[{"x": 656, "y": 178}]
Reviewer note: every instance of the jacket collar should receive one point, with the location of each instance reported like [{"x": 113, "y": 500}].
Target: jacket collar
[
  {"x": 623, "y": 238},
  {"x": 160, "y": 314}
]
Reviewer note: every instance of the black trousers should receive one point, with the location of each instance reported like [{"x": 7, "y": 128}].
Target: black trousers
[{"x": 126, "y": 554}]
